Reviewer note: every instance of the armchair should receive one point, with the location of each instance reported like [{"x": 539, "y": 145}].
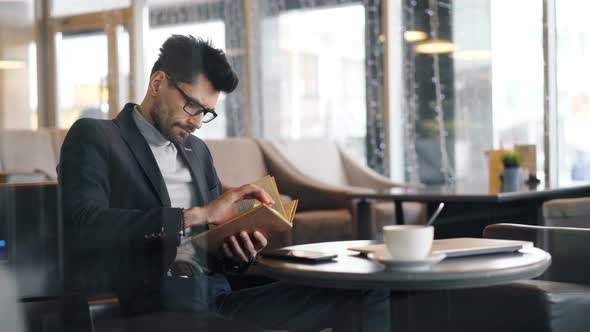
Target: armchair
[
  {"x": 557, "y": 301},
  {"x": 329, "y": 164},
  {"x": 561, "y": 296},
  {"x": 324, "y": 212}
]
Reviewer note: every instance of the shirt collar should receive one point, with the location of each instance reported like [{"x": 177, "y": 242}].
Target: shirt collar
[{"x": 149, "y": 132}]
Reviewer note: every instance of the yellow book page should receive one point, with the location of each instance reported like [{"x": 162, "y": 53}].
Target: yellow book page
[
  {"x": 270, "y": 186},
  {"x": 247, "y": 204},
  {"x": 291, "y": 207}
]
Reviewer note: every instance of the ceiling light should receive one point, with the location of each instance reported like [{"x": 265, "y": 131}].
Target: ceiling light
[
  {"x": 415, "y": 36},
  {"x": 435, "y": 46},
  {"x": 8, "y": 64}
]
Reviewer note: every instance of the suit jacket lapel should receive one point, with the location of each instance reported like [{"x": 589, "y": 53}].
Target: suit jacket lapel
[
  {"x": 201, "y": 192},
  {"x": 142, "y": 152}
]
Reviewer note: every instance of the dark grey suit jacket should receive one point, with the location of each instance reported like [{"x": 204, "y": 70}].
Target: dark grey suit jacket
[{"x": 121, "y": 232}]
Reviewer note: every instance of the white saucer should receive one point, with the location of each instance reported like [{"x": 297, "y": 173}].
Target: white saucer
[{"x": 385, "y": 258}]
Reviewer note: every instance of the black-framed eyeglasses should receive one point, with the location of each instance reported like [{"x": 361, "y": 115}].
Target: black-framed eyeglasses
[{"x": 193, "y": 107}]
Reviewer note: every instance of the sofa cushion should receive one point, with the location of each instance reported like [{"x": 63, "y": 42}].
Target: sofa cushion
[
  {"x": 237, "y": 160},
  {"x": 569, "y": 212},
  {"x": 28, "y": 151},
  {"x": 568, "y": 207},
  {"x": 317, "y": 158},
  {"x": 322, "y": 226}
]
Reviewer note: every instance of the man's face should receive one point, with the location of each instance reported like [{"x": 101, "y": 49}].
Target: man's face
[{"x": 170, "y": 118}]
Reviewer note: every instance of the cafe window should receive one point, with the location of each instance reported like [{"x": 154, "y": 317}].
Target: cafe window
[
  {"x": 573, "y": 91},
  {"x": 74, "y": 7},
  {"x": 320, "y": 91},
  {"x": 473, "y": 81},
  {"x": 18, "y": 65}
]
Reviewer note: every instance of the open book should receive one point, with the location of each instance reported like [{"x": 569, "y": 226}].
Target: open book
[{"x": 252, "y": 216}]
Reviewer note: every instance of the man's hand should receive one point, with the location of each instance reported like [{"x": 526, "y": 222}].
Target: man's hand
[
  {"x": 243, "y": 246},
  {"x": 237, "y": 247},
  {"x": 226, "y": 206}
]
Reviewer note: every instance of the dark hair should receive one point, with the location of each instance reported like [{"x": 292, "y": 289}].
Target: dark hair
[{"x": 184, "y": 57}]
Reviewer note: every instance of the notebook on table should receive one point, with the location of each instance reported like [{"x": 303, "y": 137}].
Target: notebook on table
[{"x": 460, "y": 247}]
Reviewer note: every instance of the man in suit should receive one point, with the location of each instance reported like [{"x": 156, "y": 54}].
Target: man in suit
[{"x": 134, "y": 189}]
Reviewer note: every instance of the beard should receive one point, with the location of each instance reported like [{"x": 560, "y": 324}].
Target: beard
[{"x": 163, "y": 123}]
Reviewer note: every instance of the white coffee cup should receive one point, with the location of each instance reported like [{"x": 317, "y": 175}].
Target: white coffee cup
[{"x": 408, "y": 242}]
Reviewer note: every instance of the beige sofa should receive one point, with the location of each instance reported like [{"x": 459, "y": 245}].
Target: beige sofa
[
  {"x": 30, "y": 154},
  {"x": 326, "y": 162}
]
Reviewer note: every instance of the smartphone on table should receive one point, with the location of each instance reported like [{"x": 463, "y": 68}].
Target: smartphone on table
[{"x": 303, "y": 256}]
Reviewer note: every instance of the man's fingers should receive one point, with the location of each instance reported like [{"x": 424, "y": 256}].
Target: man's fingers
[
  {"x": 251, "y": 191},
  {"x": 261, "y": 240},
  {"x": 237, "y": 248},
  {"x": 227, "y": 250},
  {"x": 248, "y": 244}
]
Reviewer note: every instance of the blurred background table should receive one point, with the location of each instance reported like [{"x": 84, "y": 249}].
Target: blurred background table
[{"x": 469, "y": 207}]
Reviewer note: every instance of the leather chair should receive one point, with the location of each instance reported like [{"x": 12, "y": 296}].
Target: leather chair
[
  {"x": 560, "y": 298},
  {"x": 329, "y": 164},
  {"x": 557, "y": 301},
  {"x": 324, "y": 213}
]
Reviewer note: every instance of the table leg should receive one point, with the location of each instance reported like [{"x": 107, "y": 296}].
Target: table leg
[
  {"x": 363, "y": 220},
  {"x": 362, "y": 313},
  {"x": 540, "y": 220},
  {"x": 399, "y": 213}
]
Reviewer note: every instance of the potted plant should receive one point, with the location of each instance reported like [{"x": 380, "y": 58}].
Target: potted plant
[{"x": 511, "y": 175}]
